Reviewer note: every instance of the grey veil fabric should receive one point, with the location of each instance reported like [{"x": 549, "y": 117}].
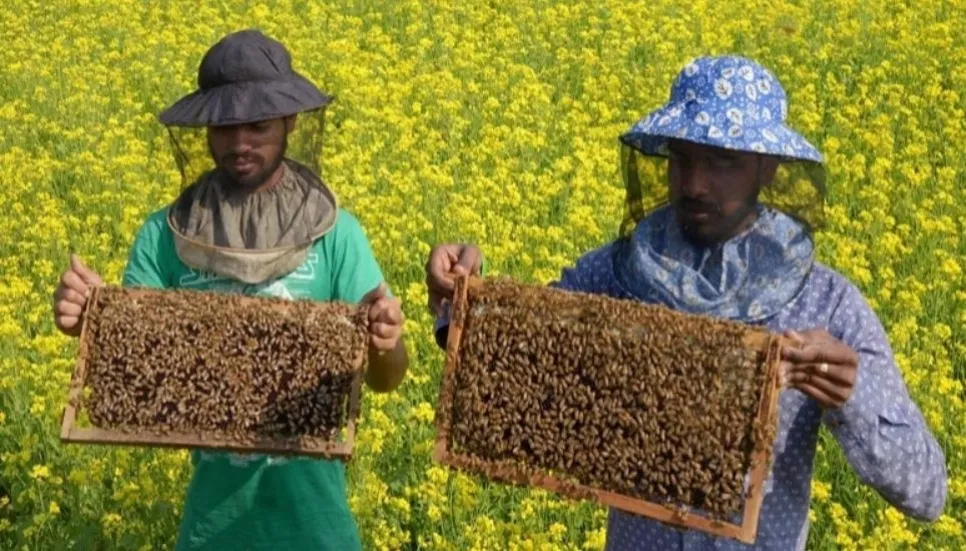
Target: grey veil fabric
[{"x": 251, "y": 236}]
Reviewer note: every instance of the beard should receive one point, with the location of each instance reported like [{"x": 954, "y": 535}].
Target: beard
[
  {"x": 253, "y": 180},
  {"x": 718, "y": 226}
]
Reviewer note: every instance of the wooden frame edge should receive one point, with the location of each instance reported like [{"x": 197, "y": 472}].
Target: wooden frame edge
[
  {"x": 761, "y": 460},
  {"x": 294, "y": 446},
  {"x": 745, "y": 532},
  {"x": 444, "y": 408},
  {"x": 305, "y": 446}
]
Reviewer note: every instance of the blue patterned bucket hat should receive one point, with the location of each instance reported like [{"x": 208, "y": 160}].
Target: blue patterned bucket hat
[
  {"x": 733, "y": 103},
  {"x": 728, "y": 102}
]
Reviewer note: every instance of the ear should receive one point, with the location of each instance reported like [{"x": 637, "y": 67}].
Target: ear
[{"x": 290, "y": 123}]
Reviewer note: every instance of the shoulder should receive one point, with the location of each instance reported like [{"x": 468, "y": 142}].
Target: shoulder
[
  {"x": 831, "y": 286},
  {"x": 154, "y": 230},
  {"x": 593, "y": 270},
  {"x": 345, "y": 228},
  {"x": 157, "y": 221},
  {"x": 603, "y": 254},
  {"x": 849, "y": 311},
  {"x": 346, "y": 244}
]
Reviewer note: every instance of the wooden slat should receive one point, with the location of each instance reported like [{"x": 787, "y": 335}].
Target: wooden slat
[
  {"x": 444, "y": 409},
  {"x": 767, "y": 411},
  {"x": 294, "y": 446},
  {"x": 765, "y": 343}
]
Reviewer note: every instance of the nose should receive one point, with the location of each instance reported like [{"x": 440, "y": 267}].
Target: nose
[
  {"x": 695, "y": 181},
  {"x": 236, "y": 139},
  {"x": 240, "y": 142}
]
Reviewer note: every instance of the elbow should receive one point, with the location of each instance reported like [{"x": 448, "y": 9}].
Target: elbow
[
  {"x": 387, "y": 370},
  {"x": 932, "y": 507},
  {"x": 925, "y": 501}
]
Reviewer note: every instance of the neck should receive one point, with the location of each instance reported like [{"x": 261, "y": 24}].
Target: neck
[
  {"x": 272, "y": 180},
  {"x": 746, "y": 223}
]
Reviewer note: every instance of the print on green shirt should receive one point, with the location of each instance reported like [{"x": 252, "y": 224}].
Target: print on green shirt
[{"x": 251, "y": 501}]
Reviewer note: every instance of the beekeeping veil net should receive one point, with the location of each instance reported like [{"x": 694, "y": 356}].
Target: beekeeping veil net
[
  {"x": 219, "y": 226},
  {"x": 732, "y": 103}
]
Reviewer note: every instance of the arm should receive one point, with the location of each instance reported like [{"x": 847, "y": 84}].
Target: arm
[
  {"x": 358, "y": 279},
  {"x": 70, "y": 298},
  {"x": 880, "y": 428},
  {"x": 388, "y": 358}
]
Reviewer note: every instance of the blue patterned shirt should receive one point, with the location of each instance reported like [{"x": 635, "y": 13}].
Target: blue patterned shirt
[{"x": 880, "y": 429}]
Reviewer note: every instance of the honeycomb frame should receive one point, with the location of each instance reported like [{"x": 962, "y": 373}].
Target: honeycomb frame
[
  {"x": 302, "y": 445},
  {"x": 766, "y": 344}
]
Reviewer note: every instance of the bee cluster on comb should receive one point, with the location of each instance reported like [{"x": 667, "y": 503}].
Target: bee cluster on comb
[
  {"x": 589, "y": 395},
  {"x": 219, "y": 367}
]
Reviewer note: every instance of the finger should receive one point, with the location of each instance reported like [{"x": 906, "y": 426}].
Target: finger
[
  {"x": 830, "y": 353},
  {"x": 440, "y": 281},
  {"x": 818, "y": 395},
  {"x": 65, "y": 308},
  {"x": 784, "y": 369},
  {"x": 470, "y": 262},
  {"x": 440, "y": 265},
  {"x": 384, "y": 344},
  {"x": 89, "y": 276},
  {"x": 832, "y": 388},
  {"x": 69, "y": 295},
  {"x": 795, "y": 338},
  {"x": 384, "y": 330},
  {"x": 72, "y": 280},
  {"x": 809, "y": 335},
  {"x": 378, "y": 310},
  {"x": 391, "y": 312},
  {"x": 66, "y": 322},
  {"x": 840, "y": 374}
]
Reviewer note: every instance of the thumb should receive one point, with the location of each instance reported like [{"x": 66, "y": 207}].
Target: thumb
[
  {"x": 89, "y": 276},
  {"x": 468, "y": 262},
  {"x": 375, "y": 294},
  {"x": 794, "y": 340}
]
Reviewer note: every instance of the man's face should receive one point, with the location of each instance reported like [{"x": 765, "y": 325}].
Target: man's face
[
  {"x": 714, "y": 191},
  {"x": 250, "y": 153}
]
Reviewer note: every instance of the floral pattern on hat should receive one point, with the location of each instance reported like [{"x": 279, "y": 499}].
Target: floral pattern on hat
[{"x": 729, "y": 102}]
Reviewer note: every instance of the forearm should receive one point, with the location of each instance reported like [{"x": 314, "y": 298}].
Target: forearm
[
  {"x": 387, "y": 369},
  {"x": 887, "y": 442}
]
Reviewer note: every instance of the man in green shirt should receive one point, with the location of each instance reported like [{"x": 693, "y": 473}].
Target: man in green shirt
[{"x": 257, "y": 222}]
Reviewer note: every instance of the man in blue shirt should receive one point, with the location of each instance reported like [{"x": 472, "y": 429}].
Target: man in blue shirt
[{"x": 730, "y": 236}]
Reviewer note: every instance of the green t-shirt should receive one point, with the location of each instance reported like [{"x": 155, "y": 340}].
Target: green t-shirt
[{"x": 238, "y": 501}]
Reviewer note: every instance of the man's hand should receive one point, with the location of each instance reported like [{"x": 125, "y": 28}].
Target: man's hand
[
  {"x": 388, "y": 359},
  {"x": 820, "y": 366},
  {"x": 71, "y": 296},
  {"x": 385, "y": 319},
  {"x": 445, "y": 263}
]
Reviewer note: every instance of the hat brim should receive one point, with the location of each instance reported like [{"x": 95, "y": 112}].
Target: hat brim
[
  {"x": 651, "y": 134},
  {"x": 245, "y": 102}
]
